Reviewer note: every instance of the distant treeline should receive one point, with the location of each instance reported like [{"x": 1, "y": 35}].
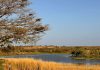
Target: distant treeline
[
  {"x": 34, "y": 50},
  {"x": 76, "y": 51}
]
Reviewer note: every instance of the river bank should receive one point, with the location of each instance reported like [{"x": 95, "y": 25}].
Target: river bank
[{"x": 77, "y": 52}]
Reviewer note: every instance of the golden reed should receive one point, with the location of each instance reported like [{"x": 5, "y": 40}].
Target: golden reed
[{"x": 32, "y": 64}]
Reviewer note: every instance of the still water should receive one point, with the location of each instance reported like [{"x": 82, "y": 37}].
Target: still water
[{"x": 63, "y": 58}]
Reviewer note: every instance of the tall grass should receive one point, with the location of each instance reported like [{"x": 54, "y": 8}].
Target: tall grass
[
  {"x": 32, "y": 64},
  {"x": 1, "y": 64}
]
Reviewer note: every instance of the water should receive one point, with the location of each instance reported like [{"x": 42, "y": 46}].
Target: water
[{"x": 62, "y": 58}]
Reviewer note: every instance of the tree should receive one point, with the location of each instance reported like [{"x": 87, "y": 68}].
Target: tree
[
  {"x": 18, "y": 23},
  {"x": 77, "y": 52}
]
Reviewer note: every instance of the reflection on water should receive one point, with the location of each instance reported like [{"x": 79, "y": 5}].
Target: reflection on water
[{"x": 64, "y": 58}]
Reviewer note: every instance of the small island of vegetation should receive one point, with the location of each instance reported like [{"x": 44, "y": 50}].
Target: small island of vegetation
[{"x": 86, "y": 53}]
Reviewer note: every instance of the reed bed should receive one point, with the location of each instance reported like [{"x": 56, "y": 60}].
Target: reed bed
[{"x": 33, "y": 64}]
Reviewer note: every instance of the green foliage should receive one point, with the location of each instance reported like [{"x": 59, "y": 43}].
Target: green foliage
[
  {"x": 77, "y": 52},
  {"x": 90, "y": 52}
]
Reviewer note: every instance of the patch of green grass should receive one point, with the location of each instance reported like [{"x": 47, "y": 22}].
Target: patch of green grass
[
  {"x": 1, "y": 64},
  {"x": 86, "y": 58},
  {"x": 48, "y": 53}
]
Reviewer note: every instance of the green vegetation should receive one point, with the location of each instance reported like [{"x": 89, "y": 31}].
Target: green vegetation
[
  {"x": 34, "y": 50},
  {"x": 1, "y": 64},
  {"x": 78, "y": 52},
  {"x": 86, "y": 53}
]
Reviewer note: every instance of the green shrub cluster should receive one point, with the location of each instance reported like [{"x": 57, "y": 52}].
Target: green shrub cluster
[{"x": 89, "y": 52}]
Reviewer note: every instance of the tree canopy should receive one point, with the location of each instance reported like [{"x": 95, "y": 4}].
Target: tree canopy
[{"x": 18, "y": 23}]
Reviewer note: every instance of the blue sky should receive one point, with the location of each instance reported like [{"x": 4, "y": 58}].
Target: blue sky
[{"x": 71, "y": 22}]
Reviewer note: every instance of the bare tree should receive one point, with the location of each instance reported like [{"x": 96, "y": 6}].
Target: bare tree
[{"x": 18, "y": 23}]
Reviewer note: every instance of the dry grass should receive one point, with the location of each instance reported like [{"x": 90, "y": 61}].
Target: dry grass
[{"x": 32, "y": 64}]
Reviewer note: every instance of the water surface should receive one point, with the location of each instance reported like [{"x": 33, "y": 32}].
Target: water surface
[{"x": 62, "y": 58}]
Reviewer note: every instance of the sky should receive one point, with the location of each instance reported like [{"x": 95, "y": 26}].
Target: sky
[{"x": 71, "y": 22}]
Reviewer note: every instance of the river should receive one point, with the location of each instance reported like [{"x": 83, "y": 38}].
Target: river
[{"x": 62, "y": 58}]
